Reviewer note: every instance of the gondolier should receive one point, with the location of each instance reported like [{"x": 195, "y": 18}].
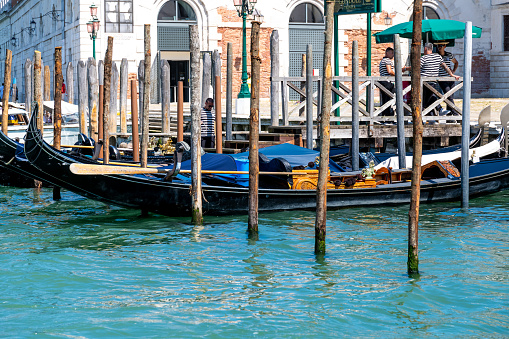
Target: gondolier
[
  {"x": 386, "y": 69},
  {"x": 452, "y": 63},
  {"x": 207, "y": 124}
]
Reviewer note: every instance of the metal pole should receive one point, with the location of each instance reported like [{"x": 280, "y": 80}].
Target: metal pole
[
  {"x": 465, "y": 135},
  {"x": 229, "y": 91},
  {"x": 254, "y": 120},
  {"x": 180, "y": 111},
  {"x": 274, "y": 85},
  {"x": 355, "y": 106},
  {"x": 93, "y": 45},
  {"x": 398, "y": 69},
  {"x": 336, "y": 60},
  {"x": 196, "y": 192},
  {"x": 244, "y": 88},
  {"x": 309, "y": 97}
]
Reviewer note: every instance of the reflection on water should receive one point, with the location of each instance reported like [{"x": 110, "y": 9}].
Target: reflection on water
[{"x": 77, "y": 268}]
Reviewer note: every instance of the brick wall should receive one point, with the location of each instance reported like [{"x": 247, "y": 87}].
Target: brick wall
[
  {"x": 377, "y": 52},
  {"x": 234, "y": 35},
  {"x": 480, "y": 73}
]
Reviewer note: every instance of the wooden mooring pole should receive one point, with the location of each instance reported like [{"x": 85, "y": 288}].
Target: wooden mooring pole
[
  {"x": 180, "y": 111},
  {"x": 38, "y": 90},
  {"x": 465, "y": 135},
  {"x": 309, "y": 97},
  {"x": 274, "y": 71},
  {"x": 146, "y": 97},
  {"x": 124, "y": 78},
  {"x": 93, "y": 100},
  {"x": 207, "y": 77},
  {"x": 413, "y": 215},
  {"x": 355, "y": 106},
  {"x": 219, "y": 119},
  {"x": 106, "y": 100},
  {"x": 69, "y": 76},
  {"x": 254, "y": 129},
  {"x": 196, "y": 192},
  {"x": 321, "y": 189},
  {"x": 47, "y": 83},
  {"x": 229, "y": 91},
  {"x": 134, "y": 118},
  {"x": 7, "y": 86},
  {"x": 165, "y": 97},
  {"x": 57, "y": 110},
  {"x": 82, "y": 96},
  {"x": 28, "y": 86},
  {"x": 100, "y": 117}
]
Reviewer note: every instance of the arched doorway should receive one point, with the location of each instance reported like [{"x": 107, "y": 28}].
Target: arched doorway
[
  {"x": 306, "y": 26},
  {"x": 173, "y": 23}
]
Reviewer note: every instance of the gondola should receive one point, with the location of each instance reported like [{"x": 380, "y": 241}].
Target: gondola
[{"x": 152, "y": 193}]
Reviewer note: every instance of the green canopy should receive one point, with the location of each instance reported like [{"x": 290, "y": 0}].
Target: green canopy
[{"x": 433, "y": 30}]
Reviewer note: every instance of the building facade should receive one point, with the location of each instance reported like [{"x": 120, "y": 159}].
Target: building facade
[{"x": 29, "y": 25}]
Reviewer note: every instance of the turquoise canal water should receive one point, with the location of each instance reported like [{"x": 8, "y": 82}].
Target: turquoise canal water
[{"x": 80, "y": 269}]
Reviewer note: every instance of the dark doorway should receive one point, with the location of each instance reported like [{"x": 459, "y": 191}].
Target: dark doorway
[{"x": 179, "y": 71}]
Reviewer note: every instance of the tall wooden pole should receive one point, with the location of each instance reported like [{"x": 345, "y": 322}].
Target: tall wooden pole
[
  {"x": 219, "y": 119},
  {"x": 180, "y": 111},
  {"x": 38, "y": 90},
  {"x": 57, "y": 109},
  {"x": 93, "y": 99},
  {"x": 134, "y": 118},
  {"x": 254, "y": 129},
  {"x": 465, "y": 136},
  {"x": 274, "y": 73},
  {"x": 229, "y": 91},
  {"x": 355, "y": 106},
  {"x": 100, "y": 116},
  {"x": 69, "y": 75},
  {"x": 309, "y": 97},
  {"x": 28, "y": 86},
  {"x": 106, "y": 100},
  {"x": 57, "y": 112},
  {"x": 7, "y": 87},
  {"x": 82, "y": 96},
  {"x": 141, "y": 82},
  {"x": 165, "y": 96},
  {"x": 321, "y": 189},
  {"x": 207, "y": 78},
  {"x": 146, "y": 96},
  {"x": 47, "y": 83},
  {"x": 197, "y": 213},
  {"x": 123, "y": 95},
  {"x": 113, "y": 99},
  {"x": 413, "y": 215}
]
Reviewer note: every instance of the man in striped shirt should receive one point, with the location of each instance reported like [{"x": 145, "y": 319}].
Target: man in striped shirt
[
  {"x": 207, "y": 124},
  {"x": 430, "y": 67},
  {"x": 452, "y": 63},
  {"x": 386, "y": 69}
]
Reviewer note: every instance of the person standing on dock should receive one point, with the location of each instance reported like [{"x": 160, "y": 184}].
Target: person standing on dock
[
  {"x": 452, "y": 63},
  {"x": 208, "y": 122},
  {"x": 430, "y": 67},
  {"x": 386, "y": 69}
]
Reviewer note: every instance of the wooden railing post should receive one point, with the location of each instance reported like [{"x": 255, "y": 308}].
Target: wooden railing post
[{"x": 134, "y": 118}]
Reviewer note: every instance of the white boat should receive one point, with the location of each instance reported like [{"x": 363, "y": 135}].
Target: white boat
[{"x": 19, "y": 117}]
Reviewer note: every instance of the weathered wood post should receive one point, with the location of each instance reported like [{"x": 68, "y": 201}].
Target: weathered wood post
[
  {"x": 465, "y": 124},
  {"x": 165, "y": 97},
  {"x": 42, "y": 78},
  {"x": 57, "y": 109},
  {"x": 123, "y": 95},
  {"x": 134, "y": 118},
  {"x": 7, "y": 86},
  {"x": 82, "y": 96},
  {"x": 28, "y": 86},
  {"x": 113, "y": 99},
  {"x": 355, "y": 106},
  {"x": 274, "y": 73},
  {"x": 254, "y": 121},
  {"x": 323, "y": 171},
  {"x": 69, "y": 75},
  {"x": 141, "y": 91},
  {"x": 196, "y": 193},
  {"x": 413, "y": 215},
  {"x": 400, "y": 110},
  {"x": 229, "y": 91},
  {"x": 180, "y": 111},
  {"x": 219, "y": 119},
  {"x": 100, "y": 117},
  {"x": 47, "y": 83},
  {"x": 38, "y": 90},
  {"x": 93, "y": 99},
  {"x": 146, "y": 97},
  {"x": 309, "y": 97},
  {"x": 108, "y": 67},
  {"x": 216, "y": 69},
  {"x": 207, "y": 78}
]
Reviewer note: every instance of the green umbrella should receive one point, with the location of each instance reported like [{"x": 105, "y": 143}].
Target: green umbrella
[{"x": 433, "y": 30}]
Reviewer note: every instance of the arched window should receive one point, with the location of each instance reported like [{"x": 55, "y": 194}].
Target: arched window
[
  {"x": 306, "y": 14},
  {"x": 176, "y": 10},
  {"x": 429, "y": 13}
]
